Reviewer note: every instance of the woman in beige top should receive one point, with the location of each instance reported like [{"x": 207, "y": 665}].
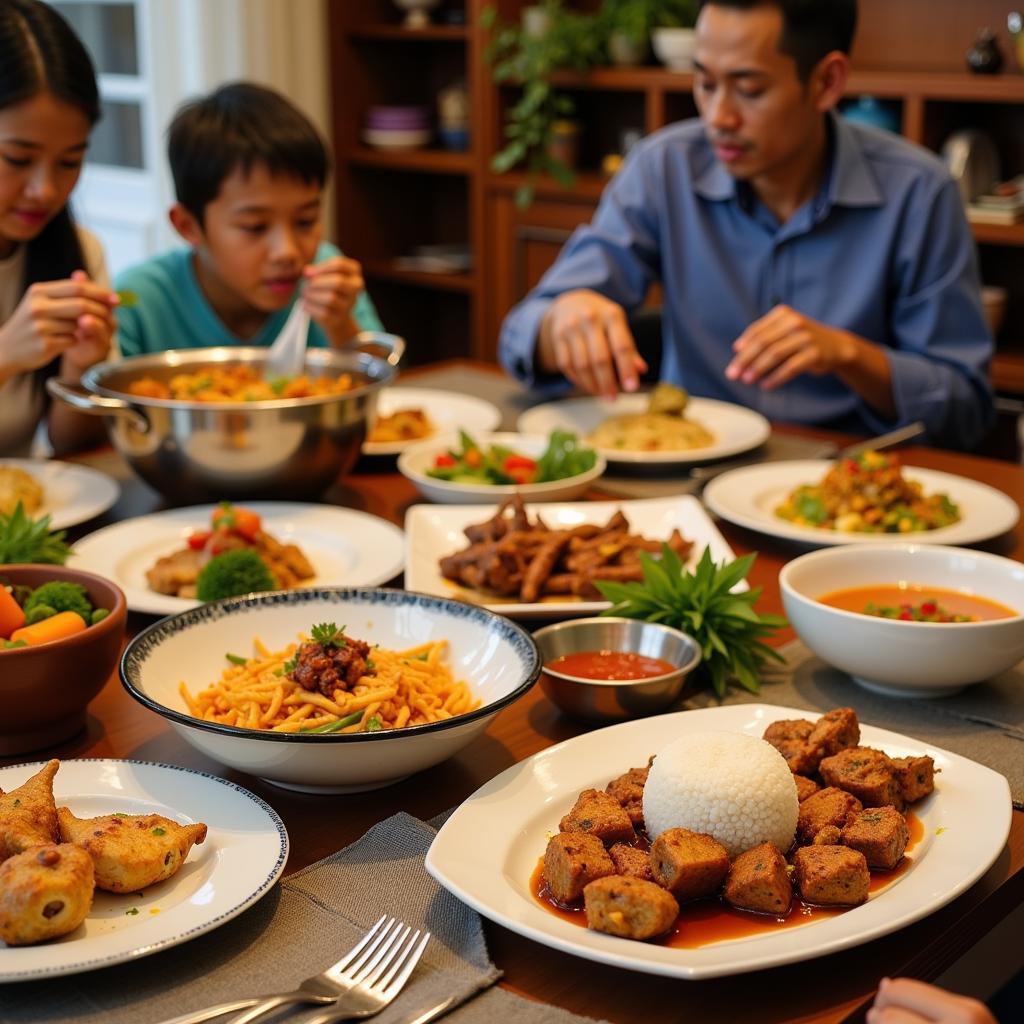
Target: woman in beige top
[{"x": 56, "y": 308}]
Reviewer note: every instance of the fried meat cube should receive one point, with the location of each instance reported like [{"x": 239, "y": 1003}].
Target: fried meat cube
[
  {"x": 915, "y": 775},
  {"x": 866, "y": 773},
  {"x": 631, "y": 908},
  {"x": 131, "y": 851},
  {"x": 834, "y": 731},
  {"x": 758, "y": 881},
  {"x": 880, "y": 833},
  {"x": 628, "y": 789},
  {"x": 832, "y": 875},
  {"x": 829, "y": 806},
  {"x": 28, "y": 814},
  {"x": 805, "y": 787},
  {"x": 600, "y": 815},
  {"x": 631, "y": 861},
  {"x": 830, "y": 835},
  {"x": 790, "y": 738},
  {"x": 688, "y": 864},
  {"x": 571, "y": 861},
  {"x": 45, "y": 891}
]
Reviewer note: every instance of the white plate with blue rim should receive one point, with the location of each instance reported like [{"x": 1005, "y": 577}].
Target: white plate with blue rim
[{"x": 244, "y": 853}]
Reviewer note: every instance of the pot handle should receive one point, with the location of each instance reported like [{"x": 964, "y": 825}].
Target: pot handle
[
  {"x": 94, "y": 405},
  {"x": 391, "y": 343}
]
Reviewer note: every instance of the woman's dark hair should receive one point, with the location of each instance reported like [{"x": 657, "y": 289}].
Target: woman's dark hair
[
  {"x": 238, "y": 126},
  {"x": 41, "y": 53},
  {"x": 810, "y": 28}
]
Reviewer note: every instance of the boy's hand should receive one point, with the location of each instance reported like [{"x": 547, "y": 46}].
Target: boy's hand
[
  {"x": 332, "y": 288},
  {"x": 72, "y": 318}
]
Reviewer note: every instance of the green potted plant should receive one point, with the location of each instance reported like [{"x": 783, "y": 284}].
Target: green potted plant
[
  {"x": 528, "y": 57},
  {"x": 630, "y": 23}
]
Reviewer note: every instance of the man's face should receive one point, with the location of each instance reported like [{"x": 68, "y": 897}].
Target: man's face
[
  {"x": 259, "y": 234},
  {"x": 757, "y": 112}
]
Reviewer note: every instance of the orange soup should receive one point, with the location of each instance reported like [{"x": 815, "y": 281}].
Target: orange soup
[
  {"x": 914, "y": 603},
  {"x": 610, "y": 665}
]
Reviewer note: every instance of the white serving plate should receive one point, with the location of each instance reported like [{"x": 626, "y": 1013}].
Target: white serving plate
[
  {"x": 736, "y": 429},
  {"x": 447, "y": 410},
  {"x": 72, "y": 494},
  {"x": 245, "y": 851},
  {"x": 487, "y": 850},
  {"x": 435, "y": 530}
]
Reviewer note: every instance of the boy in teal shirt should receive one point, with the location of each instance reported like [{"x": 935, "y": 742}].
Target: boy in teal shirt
[{"x": 249, "y": 172}]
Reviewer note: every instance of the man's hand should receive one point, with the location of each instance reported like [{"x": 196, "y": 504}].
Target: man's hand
[
  {"x": 72, "y": 318},
  {"x": 332, "y": 288},
  {"x": 784, "y": 344},
  {"x": 585, "y": 337},
  {"x": 905, "y": 1001}
]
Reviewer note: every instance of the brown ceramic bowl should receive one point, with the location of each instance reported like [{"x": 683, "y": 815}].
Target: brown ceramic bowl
[{"x": 44, "y": 690}]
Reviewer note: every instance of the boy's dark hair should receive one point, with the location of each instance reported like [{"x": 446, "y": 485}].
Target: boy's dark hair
[
  {"x": 236, "y": 127},
  {"x": 41, "y": 53},
  {"x": 810, "y": 28}
]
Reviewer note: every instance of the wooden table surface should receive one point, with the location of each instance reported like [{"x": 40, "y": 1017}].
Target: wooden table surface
[{"x": 831, "y": 989}]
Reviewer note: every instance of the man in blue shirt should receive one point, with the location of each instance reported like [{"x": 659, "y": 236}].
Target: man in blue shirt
[{"x": 819, "y": 271}]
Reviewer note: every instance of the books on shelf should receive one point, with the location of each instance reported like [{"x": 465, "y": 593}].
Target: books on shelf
[{"x": 1003, "y": 205}]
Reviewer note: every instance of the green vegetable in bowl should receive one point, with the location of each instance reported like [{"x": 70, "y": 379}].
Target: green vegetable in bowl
[
  {"x": 239, "y": 571},
  {"x": 500, "y": 465},
  {"x": 59, "y": 596},
  {"x": 29, "y": 540}
]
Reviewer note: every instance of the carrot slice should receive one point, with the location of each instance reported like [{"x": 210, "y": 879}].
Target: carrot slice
[
  {"x": 56, "y": 627},
  {"x": 12, "y": 616}
]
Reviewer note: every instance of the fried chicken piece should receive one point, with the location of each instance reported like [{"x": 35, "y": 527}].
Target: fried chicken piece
[
  {"x": 28, "y": 815},
  {"x": 131, "y": 851},
  {"x": 44, "y": 892}
]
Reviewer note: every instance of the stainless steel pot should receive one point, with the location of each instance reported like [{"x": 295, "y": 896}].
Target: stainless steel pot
[{"x": 203, "y": 451}]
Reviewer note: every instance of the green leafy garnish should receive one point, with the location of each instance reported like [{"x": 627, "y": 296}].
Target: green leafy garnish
[
  {"x": 374, "y": 725},
  {"x": 730, "y": 633},
  {"x": 158, "y": 831},
  {"x": 564, "y": 457},
  {"x": 235, "y": 659},
  {"x": 29, "y": 540},
  {"x": 327, "y": 634},
  {"x": 341, "y": 723}
]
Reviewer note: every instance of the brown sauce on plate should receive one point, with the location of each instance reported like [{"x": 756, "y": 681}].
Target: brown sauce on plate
[{"x": 711, "y": 920}]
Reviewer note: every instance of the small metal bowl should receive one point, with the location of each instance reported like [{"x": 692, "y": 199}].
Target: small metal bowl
[{"x": 615, "y": 700}]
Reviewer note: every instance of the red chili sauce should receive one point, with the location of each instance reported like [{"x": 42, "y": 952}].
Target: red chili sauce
[
  {"x": 610, "y": 665},
  {"x": 702, "y": 922}
]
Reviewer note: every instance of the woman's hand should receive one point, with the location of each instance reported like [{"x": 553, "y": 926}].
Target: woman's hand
[
  {"x": 330, "y": 295},
  {"x": 72, "y": 318}
]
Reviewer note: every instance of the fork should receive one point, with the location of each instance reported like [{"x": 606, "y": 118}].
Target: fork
[
  {"x": 363, "y": 987},
  {"x": 318, "y": 989}
]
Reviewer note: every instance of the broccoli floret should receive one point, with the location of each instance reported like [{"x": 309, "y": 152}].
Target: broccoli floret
[
  {"x": 239, "y": 571},
  {"x": 61, "y": 596}
]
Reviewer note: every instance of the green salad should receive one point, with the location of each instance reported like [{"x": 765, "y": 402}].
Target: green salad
[{"x": 471, "y": 463}]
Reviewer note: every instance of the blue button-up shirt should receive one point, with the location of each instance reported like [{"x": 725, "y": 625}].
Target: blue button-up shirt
[{"x": 883, "y": 250}]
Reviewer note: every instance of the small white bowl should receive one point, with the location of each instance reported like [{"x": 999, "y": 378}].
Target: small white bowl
[
  {"x": 418, "y": 458},
  {"x": 906, "y": 659},
  {"x": 675, "y": 47},
  {"x": 498, "y": 659}
]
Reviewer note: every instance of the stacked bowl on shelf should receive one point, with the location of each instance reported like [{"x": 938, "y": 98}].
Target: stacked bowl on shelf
[{"x": 395, "y": 127}]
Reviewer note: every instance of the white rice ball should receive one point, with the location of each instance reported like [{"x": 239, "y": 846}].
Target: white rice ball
[{"x": 734, "y": 787}]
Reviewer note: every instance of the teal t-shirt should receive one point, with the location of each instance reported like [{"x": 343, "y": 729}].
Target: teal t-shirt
[{"x": 171, "y": 311}]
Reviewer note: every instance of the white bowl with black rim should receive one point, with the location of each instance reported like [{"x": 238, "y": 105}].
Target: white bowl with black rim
[{"x": 498, "y": 659}]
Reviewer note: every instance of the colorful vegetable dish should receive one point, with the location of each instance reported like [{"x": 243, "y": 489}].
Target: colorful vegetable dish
[
  {"x": 867, "y": 494},
  {"x": 30, "y": 616},
  {"x": 498, "y": 464}
]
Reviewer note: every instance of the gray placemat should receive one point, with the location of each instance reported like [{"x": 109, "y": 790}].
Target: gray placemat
[
  {"x": 984, "y": 722},
  {"x": 302, "y": 926}
]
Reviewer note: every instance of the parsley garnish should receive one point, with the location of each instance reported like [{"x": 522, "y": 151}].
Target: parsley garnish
[
  {"x": 158, "y": 831},
  {"x": 374, "y": 725},
  {"x": 328, "y": 635},
  {"x": 730, "y": 633}
]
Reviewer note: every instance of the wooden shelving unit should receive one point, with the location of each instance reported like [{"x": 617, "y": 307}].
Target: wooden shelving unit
[{"x": 909, "y": 53}]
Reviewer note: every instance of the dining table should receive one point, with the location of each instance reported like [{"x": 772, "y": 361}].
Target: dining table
[{"x": 838, "y": 987}]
